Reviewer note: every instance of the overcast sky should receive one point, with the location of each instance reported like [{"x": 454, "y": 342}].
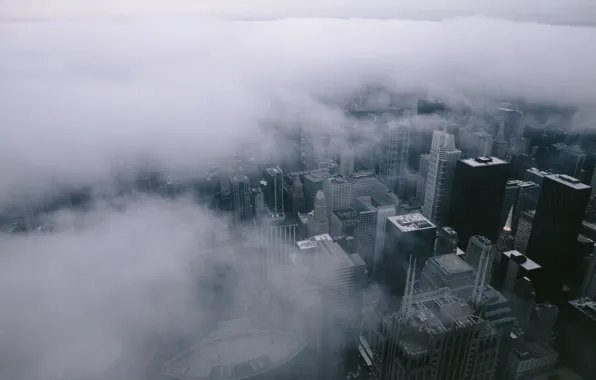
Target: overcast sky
[{"x": 569, "y": 11}]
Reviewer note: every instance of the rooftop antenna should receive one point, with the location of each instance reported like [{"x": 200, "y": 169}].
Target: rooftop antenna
[
  {"x": 484, "y": 265},
  {"x": 406, "y": 303}
]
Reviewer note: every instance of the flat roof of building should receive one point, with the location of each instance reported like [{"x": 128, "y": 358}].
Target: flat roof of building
[
  {"x": 411, "y": 222},
  {"x": 586, "y": 305},
  {"x": 452, "y": 263},
  {"x": 346, "y": 213},
  {"x": 483, "y": 161},
  {"x": 568, "y": 181},
  {"x": 523, "y": 260},
  {"x": 235, "y": 356}
]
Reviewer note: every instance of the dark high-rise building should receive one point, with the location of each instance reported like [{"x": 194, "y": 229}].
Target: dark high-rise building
[
  {"x": 241, "y": 199},
  {"x": 274, "y": 194},
  {"x": 446, "y": 241},
  {"x": 556, "y": 225},
  {"x": 406, "y": 236},
  {"x": 477, "y": 196}
]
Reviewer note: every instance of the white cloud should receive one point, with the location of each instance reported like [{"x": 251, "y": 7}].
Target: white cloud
[{"x": 80, "y": 95}]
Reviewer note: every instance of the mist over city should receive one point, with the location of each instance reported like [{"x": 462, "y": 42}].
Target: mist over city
[{"x": 276, "y": 190}]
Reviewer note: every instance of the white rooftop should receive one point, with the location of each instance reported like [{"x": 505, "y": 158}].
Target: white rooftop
[{"x": 411, "y": 222}]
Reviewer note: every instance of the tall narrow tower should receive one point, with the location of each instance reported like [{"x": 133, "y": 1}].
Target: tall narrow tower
[
  {"x": 319, "y": 224},
  {"x": 439, "y": 180},
  {"x": 394, "y": 156}
]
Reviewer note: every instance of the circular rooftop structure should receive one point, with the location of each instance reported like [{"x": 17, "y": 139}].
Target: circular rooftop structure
[{"x": 253, "y": 354}]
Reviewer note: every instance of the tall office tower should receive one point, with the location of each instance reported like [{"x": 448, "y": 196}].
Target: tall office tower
[
  {"x": 338, "y": 193},
  {"x": 577, "y": 334},
  {"x": 422, "y": 174},
  {"x": 274, "y": 194},
  {"x": 241, "y": 199},
  {"x": 406, "y": 236},
  {"x": 524, "y": 229},
  {"x": 558, "y": 217},
  {"x": 298, "y": 201},
  {"x": 439, "y": 180},
  {"x": 476, "y": 247},
  {"x": 277, "y": 240},
  {"x": 512, "y": 188},
  {"x": 344, "y": 223},
  {"x": 364, "y": 183},
  {"x": 346, "y": 162},
  {"x": 342, "y": 308},
  {"x": 527, "y": 199},
  {"x": 373, "y": 212},
  {"x": 477, "y": 195},
  {"x": 500, "y": 143},
  {"x": 571, "y": 161},
  {"x": 319, "y": 224},
  {"x": 439, "y": 339},
  {"x": 393, "y": 161},
  {"x": 446, "y": 241}
]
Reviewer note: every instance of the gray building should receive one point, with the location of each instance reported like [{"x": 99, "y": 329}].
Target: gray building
[
  {"x": 393, "y": 161},
  {"x": 338, "y": 193},
  {"x": 439, "y": 180},
  {"x": 438, "y": 338},
  {"x": 406, "y": 236},
  {"x": 344, "y": 222},
  {"x": 373, "y": 212}
]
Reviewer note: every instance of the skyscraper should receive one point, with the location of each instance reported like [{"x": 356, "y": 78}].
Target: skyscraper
[
  {"x": 439, "y": 338},
  {"x": 524, "y": 229},
  {"x": 556, "y": 225},
  {"x": 394, "y": 155},
  {"x": 406, "y": 236},
  {"x": 241, "y": 199},
  {"x": 478, "y": 189},
  {"x": 274, "y": 189},
  {"x": 500, "y": 143},
  {"x": 422, "y": 174},
  {"x": 439, "y": 180},
  {"x": 373, "y": 212},
  {"x": 342, "y": 307},
  {"x": 298, "y": 201},
  {"x": 338, "y": 193},
  {"x": 571, "y": 161},
  {"x": 319, "y": 224}
]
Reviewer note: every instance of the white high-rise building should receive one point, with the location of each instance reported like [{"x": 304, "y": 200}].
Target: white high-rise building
[
  {"x": 439, "y": 179},
  {"x": 393, "y": 161}
]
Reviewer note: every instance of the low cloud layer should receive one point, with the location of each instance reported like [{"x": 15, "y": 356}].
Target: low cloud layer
[{"x": 81, "y": 98}]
